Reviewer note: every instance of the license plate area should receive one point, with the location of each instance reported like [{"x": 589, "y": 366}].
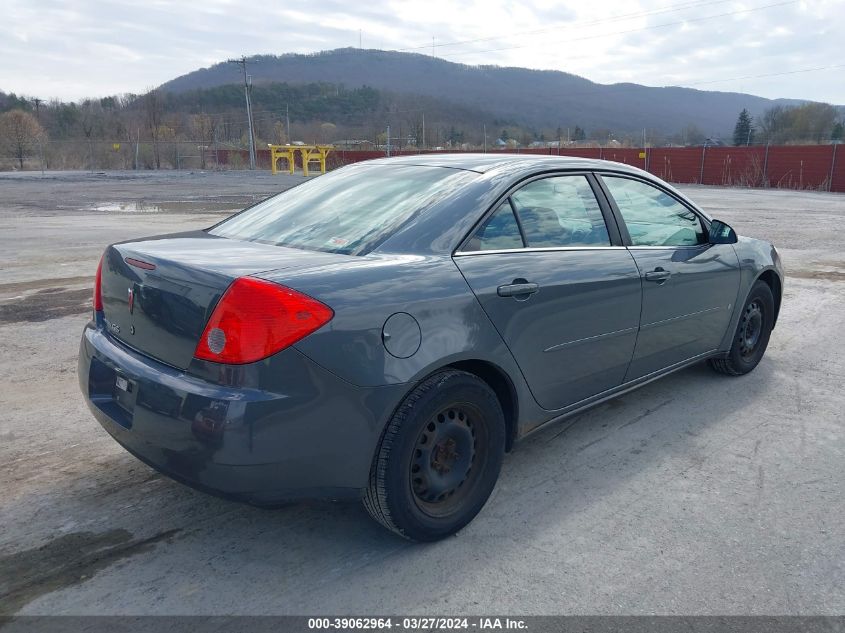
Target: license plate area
[
  {"x": 112, "y": 392},
  {"x": 124, "y": 393}
]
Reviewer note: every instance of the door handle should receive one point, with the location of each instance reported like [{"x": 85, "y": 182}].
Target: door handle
[
  {"x": 658, "y": 274},
  {"x": 520, "y": 288}
]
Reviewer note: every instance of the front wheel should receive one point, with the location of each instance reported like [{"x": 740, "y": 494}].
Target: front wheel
[
  {"x": 439, "y": 457},
  {"x": 752, "y": 333}
]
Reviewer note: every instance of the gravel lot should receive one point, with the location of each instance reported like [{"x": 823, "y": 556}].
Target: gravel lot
[{"x": 698, "y": 494}]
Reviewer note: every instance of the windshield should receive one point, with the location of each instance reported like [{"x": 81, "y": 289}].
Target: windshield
[{"x": 349, "y": 211}]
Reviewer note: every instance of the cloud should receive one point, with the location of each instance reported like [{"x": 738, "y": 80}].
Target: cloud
[{"x": 52, "y": 48}]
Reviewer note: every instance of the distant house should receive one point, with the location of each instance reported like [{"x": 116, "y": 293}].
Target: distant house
[{"x": 500, "y": 143}]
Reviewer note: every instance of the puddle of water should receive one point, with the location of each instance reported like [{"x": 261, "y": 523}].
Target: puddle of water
[{"x": 140, "y": 206}]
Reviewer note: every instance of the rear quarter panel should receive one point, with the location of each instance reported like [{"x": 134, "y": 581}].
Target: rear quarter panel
[{"x": 364, "y": 294}]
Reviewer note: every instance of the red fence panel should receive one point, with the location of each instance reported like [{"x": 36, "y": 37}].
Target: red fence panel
[
  {"x": 819, "y": 167},
  {"x": 800, "y": 167},
  {"x": 627, "y": 155},
  {"x": 734, "y": 166},
  {"x": 676, "y": 164},
  {"x": 580, "y": 152},
  {"x": 837, "y": 168}
]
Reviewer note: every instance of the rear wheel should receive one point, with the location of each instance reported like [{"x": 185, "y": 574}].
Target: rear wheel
[
  {"x": 439, "y": 457},
  {"x": 752, "y": 333}
]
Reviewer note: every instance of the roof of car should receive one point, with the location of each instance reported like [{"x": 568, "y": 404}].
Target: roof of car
[{"x": 485, "y": 162}]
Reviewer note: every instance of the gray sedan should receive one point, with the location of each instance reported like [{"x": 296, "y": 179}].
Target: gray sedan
[{"x": 389, "y": 330}]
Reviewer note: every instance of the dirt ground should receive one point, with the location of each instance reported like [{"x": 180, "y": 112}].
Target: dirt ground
[{"x": 697, "y": 494}]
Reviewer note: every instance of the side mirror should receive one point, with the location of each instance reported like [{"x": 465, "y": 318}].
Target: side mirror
[{"x": 721, "y": 233}]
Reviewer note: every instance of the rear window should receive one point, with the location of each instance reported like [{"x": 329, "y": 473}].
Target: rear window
[{"x": 349, "y": 211}]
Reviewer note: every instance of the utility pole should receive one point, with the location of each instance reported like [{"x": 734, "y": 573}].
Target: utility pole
[
  {"x": 38, "y": 103},
  {"x": 484, "y": 127},
  {"x": 287, "y": 122},
  {"x": 423, "y": 131},
  {"x": 388, "y": 141},
  {"x": 242, "y": 62}
]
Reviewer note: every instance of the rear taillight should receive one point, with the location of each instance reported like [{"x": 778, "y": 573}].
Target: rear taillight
[
  {"x": 255, "y": 319},
  {"x": 98, "y": 288}
]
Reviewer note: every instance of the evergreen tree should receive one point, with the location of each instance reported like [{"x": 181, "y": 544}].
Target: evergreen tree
[
  {"x": 838, "y": 133},
  {"x": 578, "y": 134},
  {"x": 744, "y": 130}
]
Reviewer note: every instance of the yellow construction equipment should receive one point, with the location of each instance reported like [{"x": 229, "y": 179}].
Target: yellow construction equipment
[{"x": 308, "y": 154}]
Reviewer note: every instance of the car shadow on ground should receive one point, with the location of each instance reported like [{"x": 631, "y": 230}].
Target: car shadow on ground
[{"x": 136, "y": 522}]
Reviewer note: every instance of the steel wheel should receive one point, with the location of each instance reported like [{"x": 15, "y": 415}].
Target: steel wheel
[
  {"x": 752, "y": 334},
  {"x": 439, "y": 457},
  {"x": 443, "y": 459},
  {"x": 751, "y": 328}
]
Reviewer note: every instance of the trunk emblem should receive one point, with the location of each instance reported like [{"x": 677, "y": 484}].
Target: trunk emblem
[{"x": 131, "y": 301}]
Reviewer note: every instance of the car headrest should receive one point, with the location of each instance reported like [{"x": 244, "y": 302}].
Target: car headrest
[{"x": 541, "y": 226}]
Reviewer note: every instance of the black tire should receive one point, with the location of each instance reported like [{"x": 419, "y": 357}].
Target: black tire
[
  {"x": 426, "y": 494},
  {"x": 752, "y": 333}
]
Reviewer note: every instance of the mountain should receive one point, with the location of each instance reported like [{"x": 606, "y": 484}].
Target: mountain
[{"x": 540, "y": 98}]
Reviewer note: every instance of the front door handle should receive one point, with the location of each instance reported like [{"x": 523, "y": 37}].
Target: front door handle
[
  {"x": 520, "y": 288},
  {"x": 658, "y": 274}
]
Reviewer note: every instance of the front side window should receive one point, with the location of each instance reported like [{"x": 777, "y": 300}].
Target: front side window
[
  {"x": 653, "y": 217},
  {"x": 560, "y": 211},
  {"x": 349, "y": 211}
]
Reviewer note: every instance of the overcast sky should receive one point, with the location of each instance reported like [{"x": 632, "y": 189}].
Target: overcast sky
[{"x": 78, "y": 48}]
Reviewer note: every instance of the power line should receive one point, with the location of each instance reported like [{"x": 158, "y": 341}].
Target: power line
[
  {"x": 617, "y": 18},
  {"x": 641, "y": 29},
  {"x": 786, "y": 72}
]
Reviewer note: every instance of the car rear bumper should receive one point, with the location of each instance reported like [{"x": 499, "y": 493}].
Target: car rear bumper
[{"x": 298, "y": 431}]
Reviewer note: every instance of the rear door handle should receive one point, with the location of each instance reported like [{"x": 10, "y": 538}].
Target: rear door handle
[
  {"x": 658, "y": 274},
  {"x": 519, "y": 288}
]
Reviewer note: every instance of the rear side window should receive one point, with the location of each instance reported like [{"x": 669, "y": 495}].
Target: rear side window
[
  {"x": 653, "y": 217},
  {"x": 349, "y": 211},
  {"x": 560, "y": 211},
  {"x": 500, "y": 231}
]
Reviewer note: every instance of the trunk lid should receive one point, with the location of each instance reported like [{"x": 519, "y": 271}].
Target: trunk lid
[{"x": 159, "y": 293}]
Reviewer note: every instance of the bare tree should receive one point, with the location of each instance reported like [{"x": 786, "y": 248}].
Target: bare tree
[
  {"x": 20, "y": 134},
  {"x": 90, "y": 121},
  {"x": 154, "y": 110},
  {"x": 279, "y": 136},
  {"x": 811, "y": 122},
  {"x": 203, "y": 128}
]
